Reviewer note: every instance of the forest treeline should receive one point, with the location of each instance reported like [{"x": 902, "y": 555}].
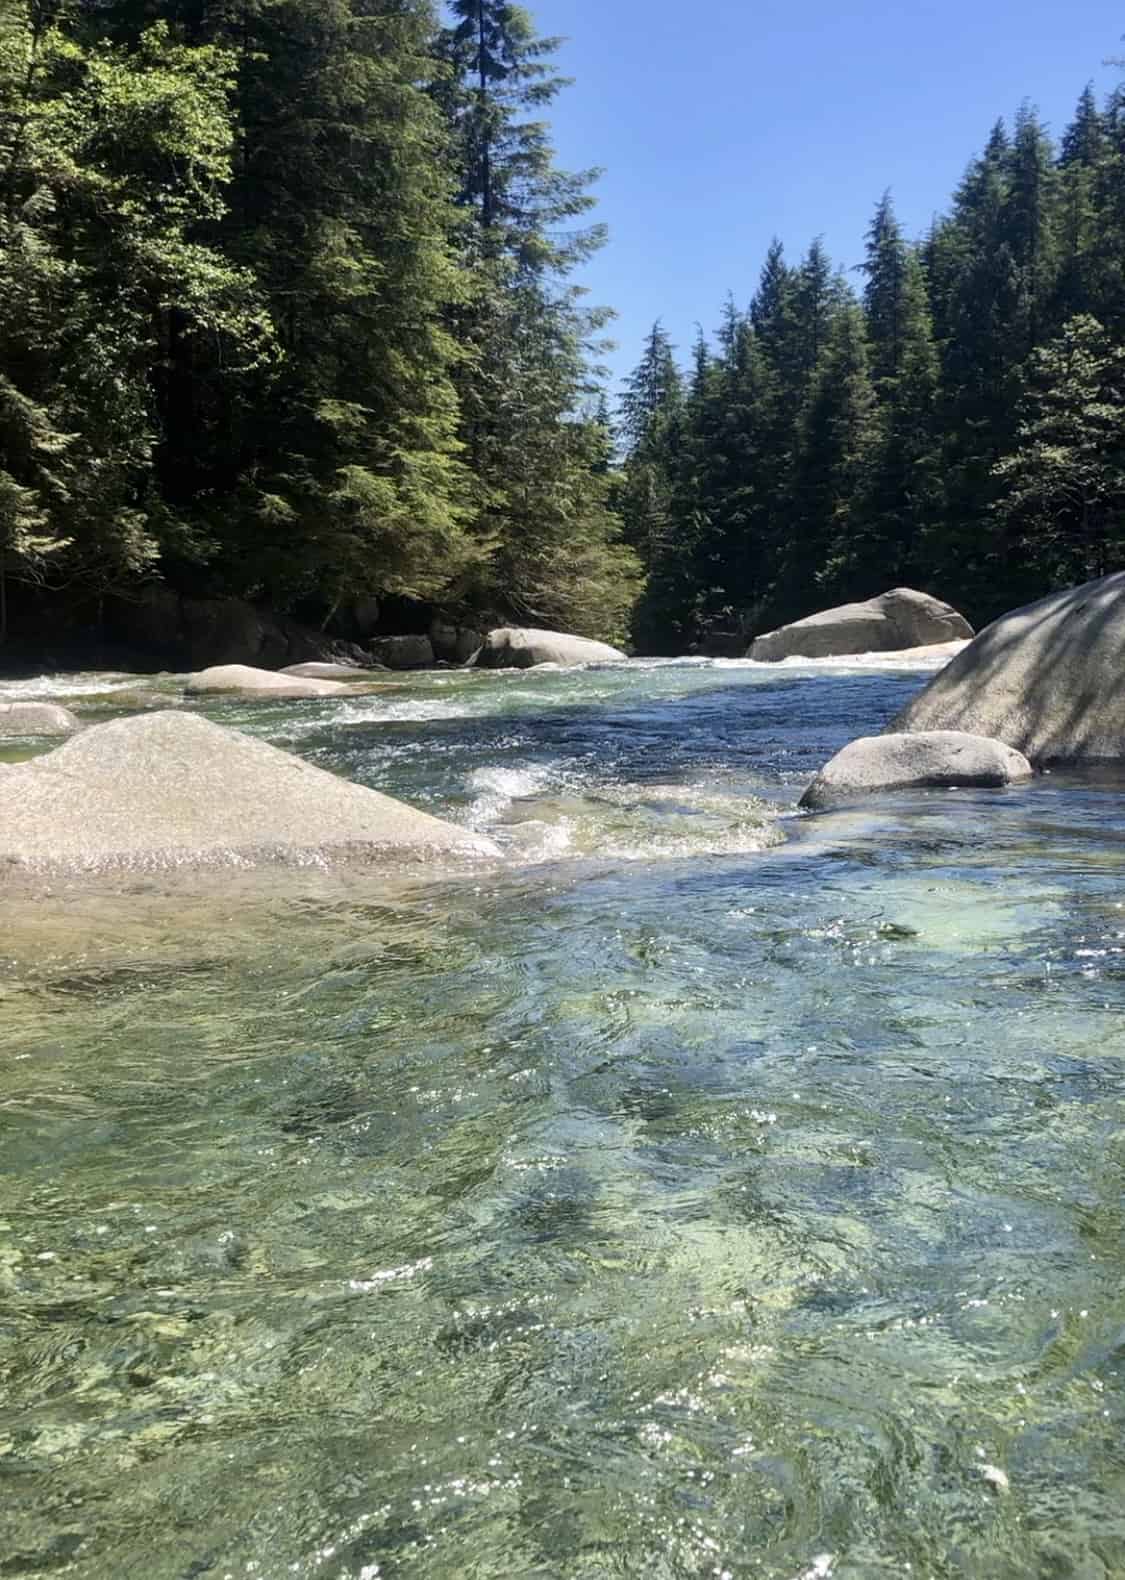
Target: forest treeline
[
  {"x": 288, "y": 313},
  {"x": 285, "y": 310},
  {"x": 953, "y": 421}
]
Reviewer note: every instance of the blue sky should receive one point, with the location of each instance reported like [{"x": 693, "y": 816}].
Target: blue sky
[{"x": 720, "y": 125}]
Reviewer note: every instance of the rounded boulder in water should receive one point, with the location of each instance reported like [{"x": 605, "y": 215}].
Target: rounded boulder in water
[
  {"x": 935, "y": 760},
  {"x": 167, "y": 790},
  {"x": 522, "y": 647},
  {"x": 244, "y": 680},
  {"x": 36, "y": 718},
  {"x": 895, "y": 621}
]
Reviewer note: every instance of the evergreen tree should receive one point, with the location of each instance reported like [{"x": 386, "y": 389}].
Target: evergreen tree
[
  {"x": 1104, "y": 273},
  {"x": 733, "y": 559},
  {"x": 524, "y": 335},
  {"x": 350, "y": 473},
  {"x": 651, "y": 409},
  {"x": 114, "y": 161},
  {"x": 831, "y": 550},
  {"x": 1029, "y": 229},
  {"x": 884, "y": 297},
  {"x": 1062, "y": 500},
  {"x": 779, "y": 379},
  {"x": 903, "y": 499},
  {"x": 975, "y": 298},
  {"x": 654, "y": 391},
  {"x": 818, "y": 293},
  {"x": 1081, "y": 156}
]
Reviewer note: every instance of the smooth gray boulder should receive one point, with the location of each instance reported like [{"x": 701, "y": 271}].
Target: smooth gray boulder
[
  {"x": 1048, "y": 678},
  {"x": 36, "y": 718},
  {"x": 349, "y": 673},
  {"x": 938, "y": 759},
  {"x": 895, "y": 620},
  {"x": 243, "y": 680},
  {"x": 169, "y": 790},
  {"x": 522, "y": 647}
]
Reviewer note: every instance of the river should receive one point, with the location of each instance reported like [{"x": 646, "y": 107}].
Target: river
[{"x": 706, "y": 1191}]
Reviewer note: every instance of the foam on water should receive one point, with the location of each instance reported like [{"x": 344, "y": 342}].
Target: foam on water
[
  {"x": 496, "y": 788},
  {"x": 54, "y": 687}
]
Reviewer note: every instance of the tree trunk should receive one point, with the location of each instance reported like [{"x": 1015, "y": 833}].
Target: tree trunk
[{"x": 485, "y": 149}]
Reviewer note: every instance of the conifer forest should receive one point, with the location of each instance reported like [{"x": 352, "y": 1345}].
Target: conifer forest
[{"x": 289, "y": 311}]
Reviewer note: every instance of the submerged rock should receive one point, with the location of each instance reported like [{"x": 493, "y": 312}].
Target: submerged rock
[
  {"x": 244, "y": 680},
  {"x": 522, "y": 647},
  {"x": 1047, "y": 679},
  {"x": 938, "y": 759},
  {"x": 168, "y": 790},
  {"x": 901, "y": 618},
  {"x": 346, "y": 672},
  {"x": 36, "y": 718}
]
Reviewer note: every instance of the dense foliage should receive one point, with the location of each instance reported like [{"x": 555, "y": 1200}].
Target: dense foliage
[
  {"x": 284, "y": 309},
  {"x": 957, "y": 425},
  {"x": 286, "y": 312}
]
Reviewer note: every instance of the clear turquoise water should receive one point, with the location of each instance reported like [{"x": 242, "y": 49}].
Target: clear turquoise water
[{"x": 670, "y": 1201}]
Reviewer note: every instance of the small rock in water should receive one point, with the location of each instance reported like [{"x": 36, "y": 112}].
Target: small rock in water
[
  {"x": 996, "y": 1478},
  {"x": 36, "y": 718}
]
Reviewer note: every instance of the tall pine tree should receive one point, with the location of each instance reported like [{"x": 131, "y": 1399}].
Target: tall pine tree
[{"x": 524, "y": 381}]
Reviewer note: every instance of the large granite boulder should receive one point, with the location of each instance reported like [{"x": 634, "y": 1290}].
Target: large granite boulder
[
  {"x": 167, "y": 790},
  {"x": 36, "y": 718},
  {"x": 520, "y": 647},
  {"x": 938, "y": 759},
  {"x": 897, "y": 619},
  {"x": 244, "y": 681},
  {"x": 1048, "y": 679}
]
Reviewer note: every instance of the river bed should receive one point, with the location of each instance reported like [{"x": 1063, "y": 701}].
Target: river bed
[{"x": 705, "y": 1191}]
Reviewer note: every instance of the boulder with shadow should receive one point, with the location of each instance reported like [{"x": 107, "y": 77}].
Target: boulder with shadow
[{"x": 1047, "y": 679}]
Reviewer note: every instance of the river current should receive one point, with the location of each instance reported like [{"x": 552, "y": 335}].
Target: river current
[{"x": 706, "y": 1191}]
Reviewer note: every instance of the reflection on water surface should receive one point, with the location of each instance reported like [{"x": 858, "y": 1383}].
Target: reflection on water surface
[{"x": 671, "y": 1202}]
